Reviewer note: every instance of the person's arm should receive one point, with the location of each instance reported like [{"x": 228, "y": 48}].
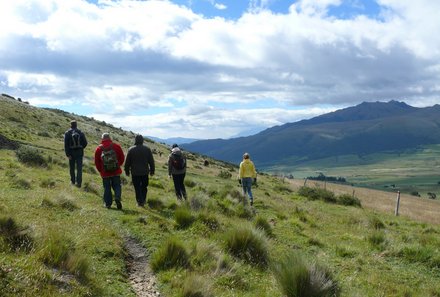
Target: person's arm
[
  {"x": 98, "y": 161},
  {"x": 151, "y": 162},
  {"x": 169, "y": 165},
  {"x": 120, "y": 153},
  {"x": 84, "y": 140},
  {"x": 127, "y": 164},
  {"x": 66, "y": 144}
]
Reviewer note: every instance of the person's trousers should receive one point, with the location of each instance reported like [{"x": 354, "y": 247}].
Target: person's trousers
[
  {"x": 179, "y": 185},
  {"x": 140, "y": 184},
  {"x": 109, "y": 183},
  {"x": 76, "y": 161},
  {"x": 246, "y": 183}
]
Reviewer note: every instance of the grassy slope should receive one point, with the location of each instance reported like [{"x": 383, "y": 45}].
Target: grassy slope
[
  {"x": 406, "y": 262},
  {"x": 411, "y": 171}
]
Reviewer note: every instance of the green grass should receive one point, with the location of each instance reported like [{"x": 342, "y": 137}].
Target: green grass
[{"x": 227, "y": 246}]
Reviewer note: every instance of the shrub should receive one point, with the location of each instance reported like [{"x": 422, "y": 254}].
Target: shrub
[
  {"x": 183, "y": 217},
  {"x": 30, "y": 156},
  {"x": 299, "y": 279},
  {"x": 171, "y": 255},
  {"x": 198, "y": 201},
  {"x": 317, "y": 194},
  {"x": 225, "y": 174},
  {"x": 262, "y": 224},
  {"x": 195, "y": 286},
  {"x": 348, "y": 200},
  {"x": 249, "y": 245},
  {"x": 16, "y": 238}
]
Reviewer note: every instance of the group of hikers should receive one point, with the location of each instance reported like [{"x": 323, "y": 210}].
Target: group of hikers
[{"x": 139, "y": 163}]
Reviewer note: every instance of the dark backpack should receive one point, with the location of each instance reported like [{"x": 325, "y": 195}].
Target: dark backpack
[
  {"x": 75, "y": 139},
  {"x": 109, "y": 158},
  {"x": 178, "y": 161}
]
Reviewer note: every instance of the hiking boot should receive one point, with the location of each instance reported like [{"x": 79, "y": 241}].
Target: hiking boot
[
  {"x": 107, "y": 206},
  {"x": 118, "y": 204},
  {"x": 252, "y": 202}
]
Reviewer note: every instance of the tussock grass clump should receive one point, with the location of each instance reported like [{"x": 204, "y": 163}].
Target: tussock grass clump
[
  {"x": 183, "y": 217},
  {"x": 416, "y": 253},
  {"x": 155, "y": 203},
  {"x": 198, "y": 201},
  {"x": 349, "y": 200},
  {"x": 47, "y": 183},
  {"x": 190, "y": 183},
  {"x": 171, "y": 255},
  {"x": 195, "y": 286},
  {"x": 91, "y": 187},
  {"x": 66, "y": 203},
  {"x": 30, "y": 156},
  {"x": 15, "y": 237},
  {"x": 225, "y": 174},
  {"x": 317, "y": 194},
  {"x": 344, "y": 252},
  {"x": 155, "y": 183},
  {"x": 20, "y": 183},
  {"x": 210, "y": 220},
  {"x": 296, "y": 278},
  {"x": 376, "y": 223},
  {"x": 249, "y": 245},
  {"x": 377, "y": 239},
  {"x": 58, "y": 251},
  {"x": 244, "y": 211},
  {"x": 262, "y": 224},
  {"x": 282, "y": 189}
]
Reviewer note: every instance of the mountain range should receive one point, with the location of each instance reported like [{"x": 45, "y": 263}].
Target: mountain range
[{"x": 367, "y": 128}]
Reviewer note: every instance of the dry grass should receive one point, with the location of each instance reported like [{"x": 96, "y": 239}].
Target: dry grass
[{"x": 420, "y": 209}]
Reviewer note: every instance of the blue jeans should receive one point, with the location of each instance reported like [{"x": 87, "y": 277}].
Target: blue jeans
[
  {"x": 76, "y": 160},
  {"x": 109, "y": 183},
  {"x": 246, "y": 183}
]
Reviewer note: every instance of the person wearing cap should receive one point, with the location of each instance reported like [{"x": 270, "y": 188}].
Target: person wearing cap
[
  {"x": 74, "y": 144},
  {"x": 177, "y": 170},
  {"x": 139, "y": 163},
  {"x": 111, "y": 178},
  {"x": 247, "y": 174}
]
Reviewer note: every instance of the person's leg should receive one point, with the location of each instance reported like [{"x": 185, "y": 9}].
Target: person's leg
[
  {"x": 144, "y": 188},
  {"x": 79, "y": 166},
  {"x": 106, "y": 182},
  {"x": 72, "y": 170},
  {"x": 247, "y": 185},
  {"x": 137, "y": 188},
  {"x": 176, "y": 186},
  {"x": 117, "y": 188},
  {"x": 182, "y": 186}
]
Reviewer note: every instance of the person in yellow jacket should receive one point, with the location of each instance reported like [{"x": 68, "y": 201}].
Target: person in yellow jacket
[{"x": 247, "y": 174}]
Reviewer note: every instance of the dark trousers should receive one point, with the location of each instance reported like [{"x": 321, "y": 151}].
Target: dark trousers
[
  {"x": 76, "y": 160},
  {"x": 179, "y": 185},
  {"x": 109, "y": 183},
  {"x": 140, "y": 184}
]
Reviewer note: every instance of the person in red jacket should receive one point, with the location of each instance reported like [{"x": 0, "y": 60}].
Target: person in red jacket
[{"x": 109, "y": 158}]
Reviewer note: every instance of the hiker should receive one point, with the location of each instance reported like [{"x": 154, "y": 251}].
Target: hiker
[
  {"x": 139, "y": 163},
  {"x": 74, "y": 144},
  {"x": 177, "y": 170},
  {"x": 109, "y": 158},
  {"x": 247, "y": 174}
]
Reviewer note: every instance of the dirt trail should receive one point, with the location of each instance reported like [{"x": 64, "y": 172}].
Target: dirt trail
[{"x": 139, "y": 272}]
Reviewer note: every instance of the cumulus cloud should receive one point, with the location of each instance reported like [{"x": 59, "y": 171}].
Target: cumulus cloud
[{"x": 148, "y": 60}]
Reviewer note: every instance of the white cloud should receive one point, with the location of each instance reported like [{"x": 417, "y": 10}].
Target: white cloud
[{"x": 152, "y": 55}]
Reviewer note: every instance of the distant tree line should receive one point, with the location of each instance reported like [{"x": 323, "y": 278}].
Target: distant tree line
[{"x": 322, "y": 177}]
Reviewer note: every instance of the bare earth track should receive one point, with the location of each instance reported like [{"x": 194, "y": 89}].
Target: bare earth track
[{"x": 139, "y": 272}]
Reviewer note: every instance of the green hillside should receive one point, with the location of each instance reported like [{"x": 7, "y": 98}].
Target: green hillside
[{"x": 58, "y": 240}]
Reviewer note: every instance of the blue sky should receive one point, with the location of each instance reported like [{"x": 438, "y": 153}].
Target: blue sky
[{"x": 217, "y": 69}]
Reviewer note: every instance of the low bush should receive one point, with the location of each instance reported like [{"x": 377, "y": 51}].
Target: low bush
[
  {"x": 349, "y": 200},
  {"x": 155, "y": 203},
  {"x": 209, "y": 220},
  {"x": 30, "y": 156},
  {"x": 198, "y": 201},
  {"x": 249, "y": 245},
  {"x": 190, "y": 183},
  {"x": 376, "y": 223},
  {"x": 155, "y": 183},
  {"x": 93, "y": 188},
  {"x": 171, "y": 255},
  {"x": 225, "y": 174},
  {"x": 317, "y": 194},
  {"x": 296, "y": 278},
  {"x": 377, "y": 239}
]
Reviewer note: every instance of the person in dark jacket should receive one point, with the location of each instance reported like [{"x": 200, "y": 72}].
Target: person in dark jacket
[
  {"x": 139, "y": 163},
  {"x": 111, "y": 179},
  {"x": 74, "y": 144},
  {"x": 177, "y": 170}
]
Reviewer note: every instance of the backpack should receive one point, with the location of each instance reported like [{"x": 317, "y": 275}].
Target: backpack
[
  {"x": 178, "y": 161},
  {"x": 75, "y": 139},
  {"x": 109, "y": 158}
]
